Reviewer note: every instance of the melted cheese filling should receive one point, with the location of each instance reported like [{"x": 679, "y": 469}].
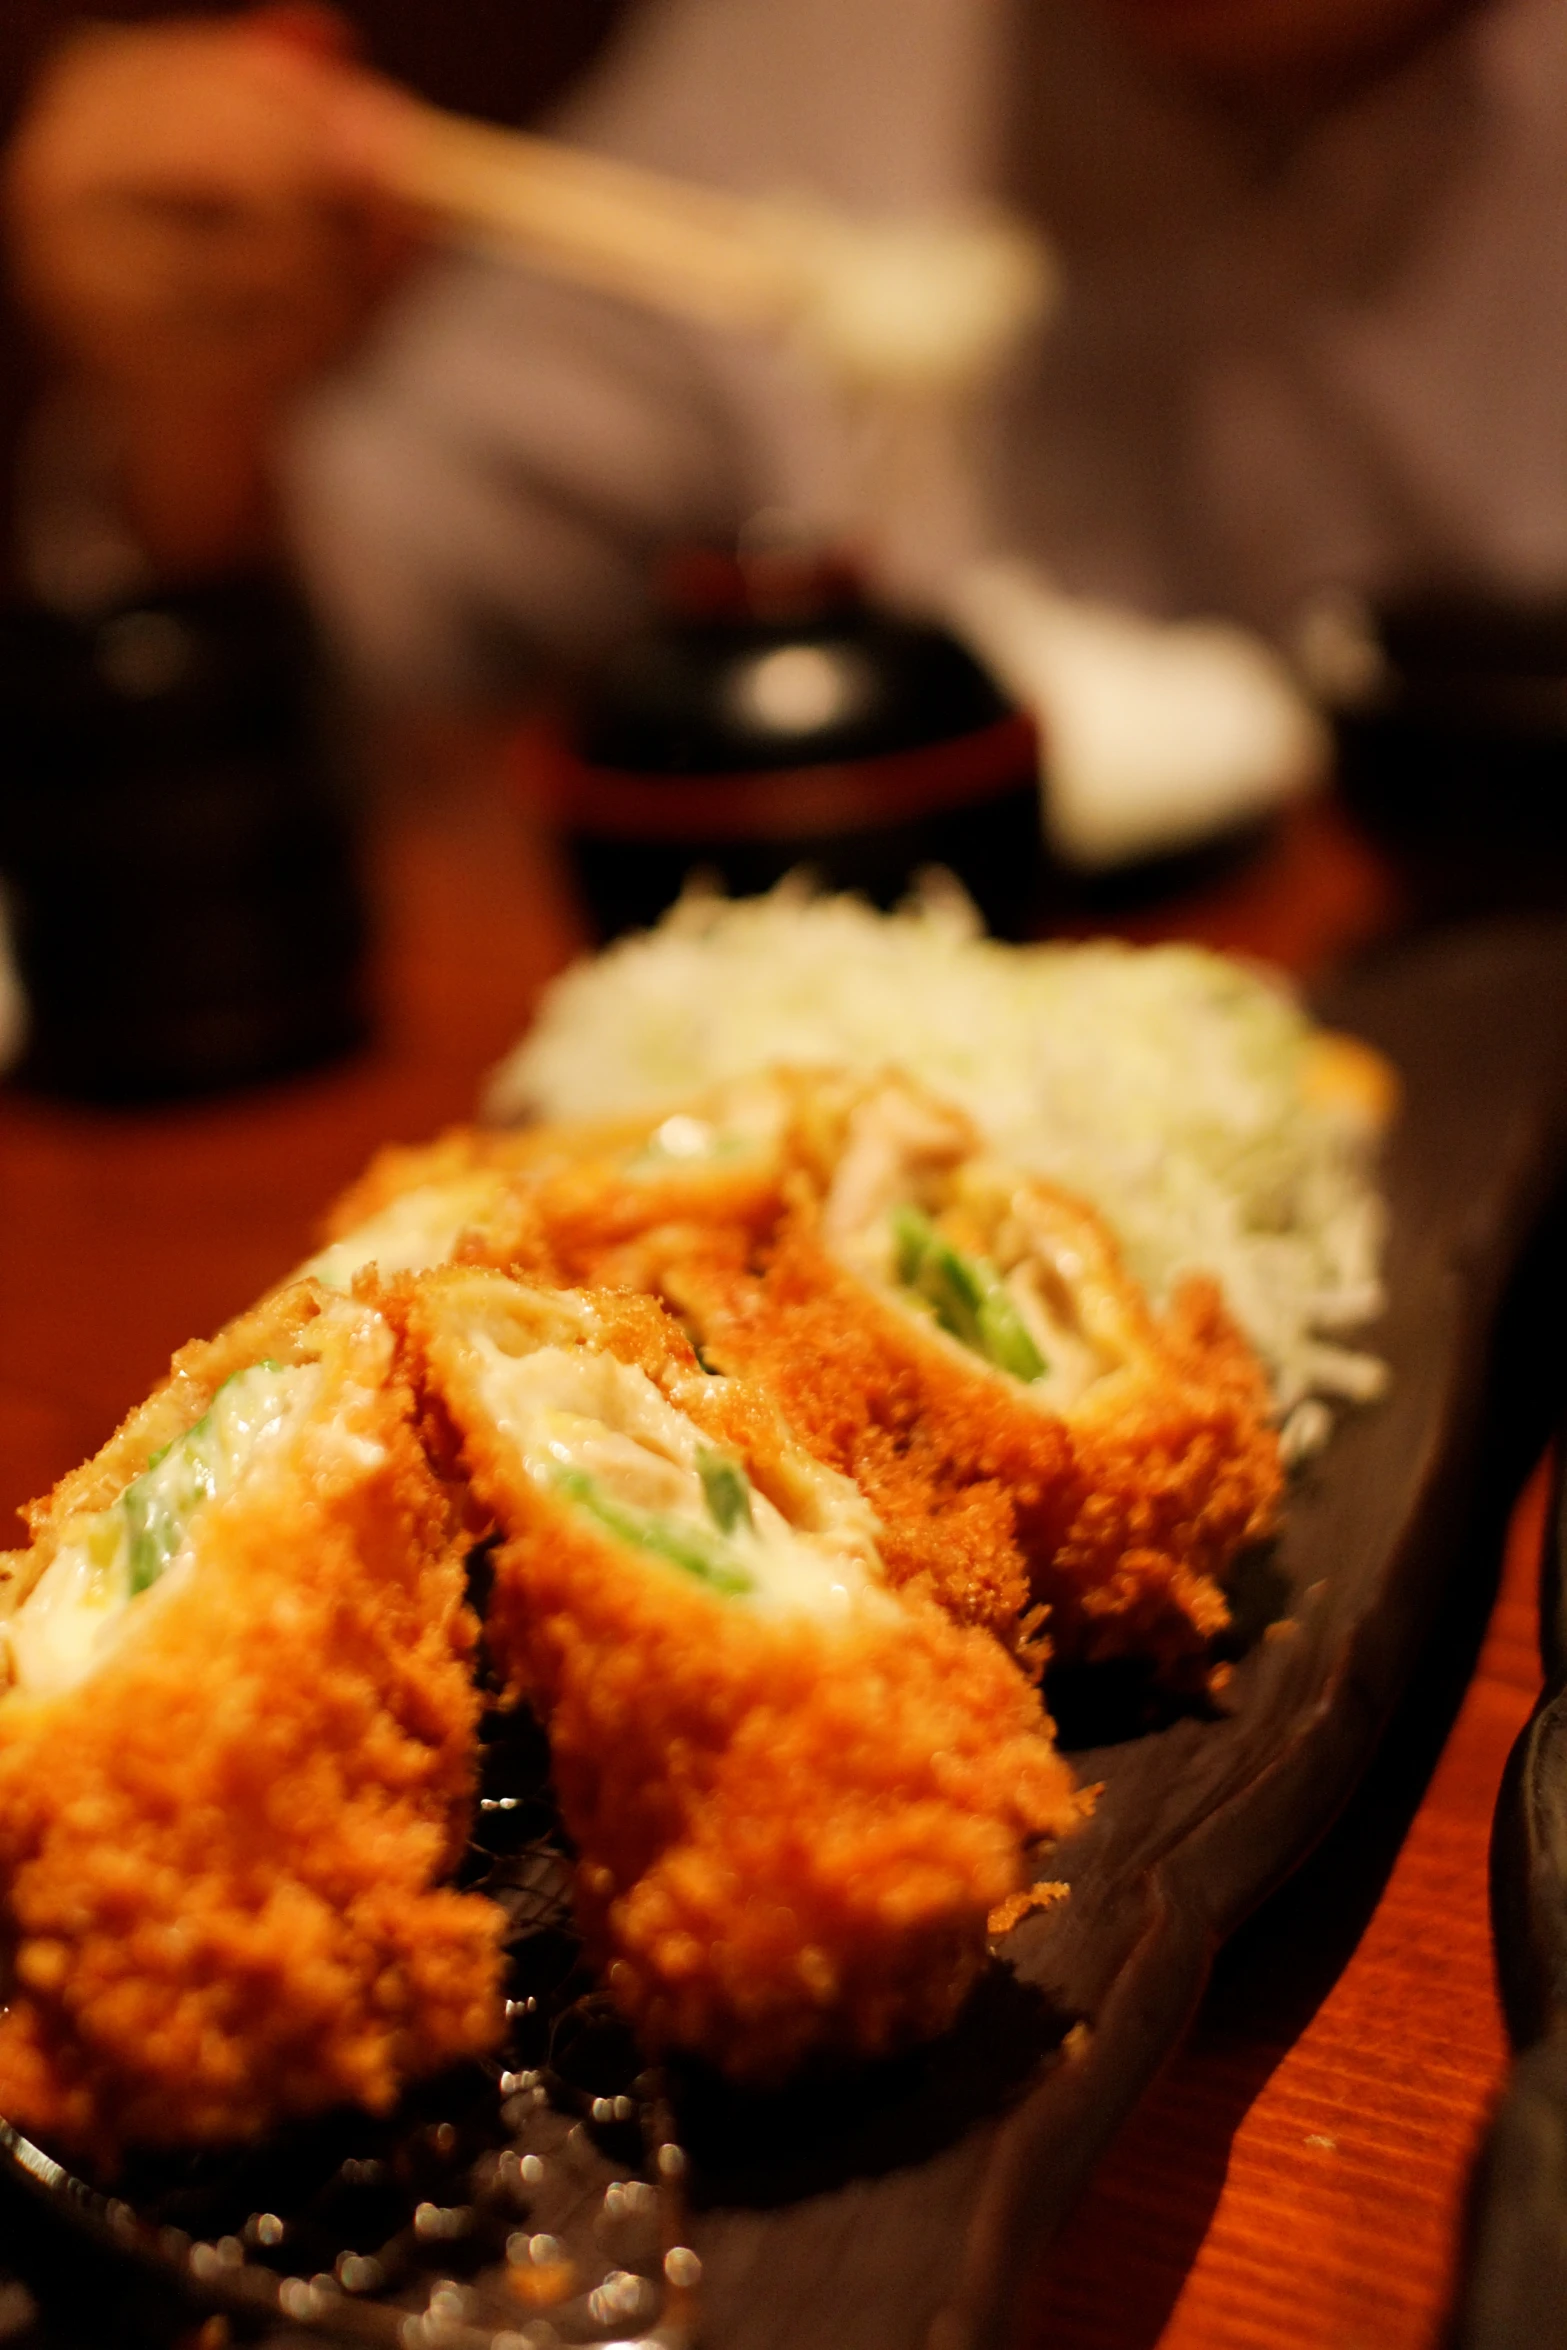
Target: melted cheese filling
[
  {"x": 902, "y": 1150},
  {"x": 1045, "y": 1306},
  {"x": 107, "y": 1559},
  {"x": 599, "y": 1432}
]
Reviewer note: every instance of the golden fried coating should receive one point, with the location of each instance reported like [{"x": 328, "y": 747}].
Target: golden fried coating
[
  {"x": 1180, "y": 1469},
  {"x": 570, "y": 1203},
  {"x": 599, "y": 1225},
  {"x": 221, "y": 1847},
  {"x": 1115, "y": 1491},
  {"x": 792, "y": 1829},
  {"x": 1118, "y": 1514},
  {"x": 956, "y": 1495},
  {"x": 398, "y": 1168}
]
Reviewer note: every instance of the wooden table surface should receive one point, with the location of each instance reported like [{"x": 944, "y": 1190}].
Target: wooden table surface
[{"x": 1296, "y": 2176}]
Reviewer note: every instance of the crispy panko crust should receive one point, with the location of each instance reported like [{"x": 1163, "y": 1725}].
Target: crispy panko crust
[
  {"x": 568, "y": 1204},
  {"x": 1118, "y": 1515},
  {"x": 520, "y": 1154},
  {"x": 694, "y": 1235},
  {"x": 1180, "y": 1469},
  {"x": 591, "y": 1226},
  {"x": 221, "y": 1849},
  {"x": 400, "y": 1167},
  {"x": 791, "y": 1837},
  {"x": 906, "y": 1420},
  {"x": 606, "y": 1211}
]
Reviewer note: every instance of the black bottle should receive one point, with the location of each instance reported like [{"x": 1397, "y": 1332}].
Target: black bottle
[
  {"x": 179, "y": 861},
  {"x": 774, "y": 719}
]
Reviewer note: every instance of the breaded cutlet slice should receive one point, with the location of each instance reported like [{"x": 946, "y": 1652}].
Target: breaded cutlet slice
[
  {"x": 237, "y": 1755},
  {"x": 797, "y": 1795},
  {"x": 966, "y": 1342},
  {"x": 555, "y": 1200}
]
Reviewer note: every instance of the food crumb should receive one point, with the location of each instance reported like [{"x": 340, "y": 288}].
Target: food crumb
[
  {"x": 1017, "y": 1906},
  {"x": 541, "y": 2288},
  {"x": 215, "y": 2333},
  {"x": 538, "y": 2271},
  {"x": 1323, "y": 2145}
]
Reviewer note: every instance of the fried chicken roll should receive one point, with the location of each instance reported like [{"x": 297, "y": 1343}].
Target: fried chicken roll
[
  {"x": 796, "y": 1795},
  {"x": 573, "y": 1203},
  {"x": 966, "y": 1342},
  {"x": 961, "y": 1339},
  {"x": 237, "y": 1746}
]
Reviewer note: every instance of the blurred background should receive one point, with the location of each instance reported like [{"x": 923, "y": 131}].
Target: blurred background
[
  {"x": 504, "y": 60},
  {"x": 1260, "y": 488}
]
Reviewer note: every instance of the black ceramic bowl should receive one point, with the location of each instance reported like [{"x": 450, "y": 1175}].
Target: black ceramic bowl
[{"x": 773, "y": 719}]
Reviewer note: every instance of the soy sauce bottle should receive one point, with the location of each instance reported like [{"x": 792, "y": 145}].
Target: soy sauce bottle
[
  {"x": 773, "y": 718},
  {"x": 179, "y": 856}
]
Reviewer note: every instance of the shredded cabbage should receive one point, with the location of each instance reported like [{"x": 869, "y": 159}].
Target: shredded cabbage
[{"x": 1163, "y": 1084}]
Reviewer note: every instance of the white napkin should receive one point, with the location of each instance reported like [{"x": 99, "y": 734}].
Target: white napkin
[{"x": 1154, "y": 737}]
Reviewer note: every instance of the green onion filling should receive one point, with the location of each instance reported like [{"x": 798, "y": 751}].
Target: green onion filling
[
  {"x": 727, "y": 1490},
  {"x": 679, "y": 1543},
  {"x": 157, "y": 1506},
  {"x": 966, "y": 1294}
]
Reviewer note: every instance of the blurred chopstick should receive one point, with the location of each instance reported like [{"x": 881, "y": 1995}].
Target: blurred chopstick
[
  {"x": 602, "y": 223},
  {"x": 899, "y": 302}
]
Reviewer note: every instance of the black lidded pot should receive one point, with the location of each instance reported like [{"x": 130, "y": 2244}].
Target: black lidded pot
[
  {"x": 1451, "y": 727},
  {"x": 774, "y": 719},
  {"x": 179, "y": 860}
]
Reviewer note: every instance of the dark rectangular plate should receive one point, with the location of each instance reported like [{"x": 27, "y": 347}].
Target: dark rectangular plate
[
  {"x": 903, "y": 2208},
  {"x": 1198, "y": 1820}
]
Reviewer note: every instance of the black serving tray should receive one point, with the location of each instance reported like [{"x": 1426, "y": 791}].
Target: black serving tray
[{"x": 903, "y": 2208}]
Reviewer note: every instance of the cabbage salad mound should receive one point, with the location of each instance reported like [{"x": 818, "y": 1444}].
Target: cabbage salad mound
[{"x": 1187, "y": 1096}]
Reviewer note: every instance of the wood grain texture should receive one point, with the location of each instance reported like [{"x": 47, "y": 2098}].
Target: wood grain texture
[
  {"x": 1298, "y": 2174},
  {"x": 1305, "y": 2186},
  {"x": 1295, "y": 2176}
]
